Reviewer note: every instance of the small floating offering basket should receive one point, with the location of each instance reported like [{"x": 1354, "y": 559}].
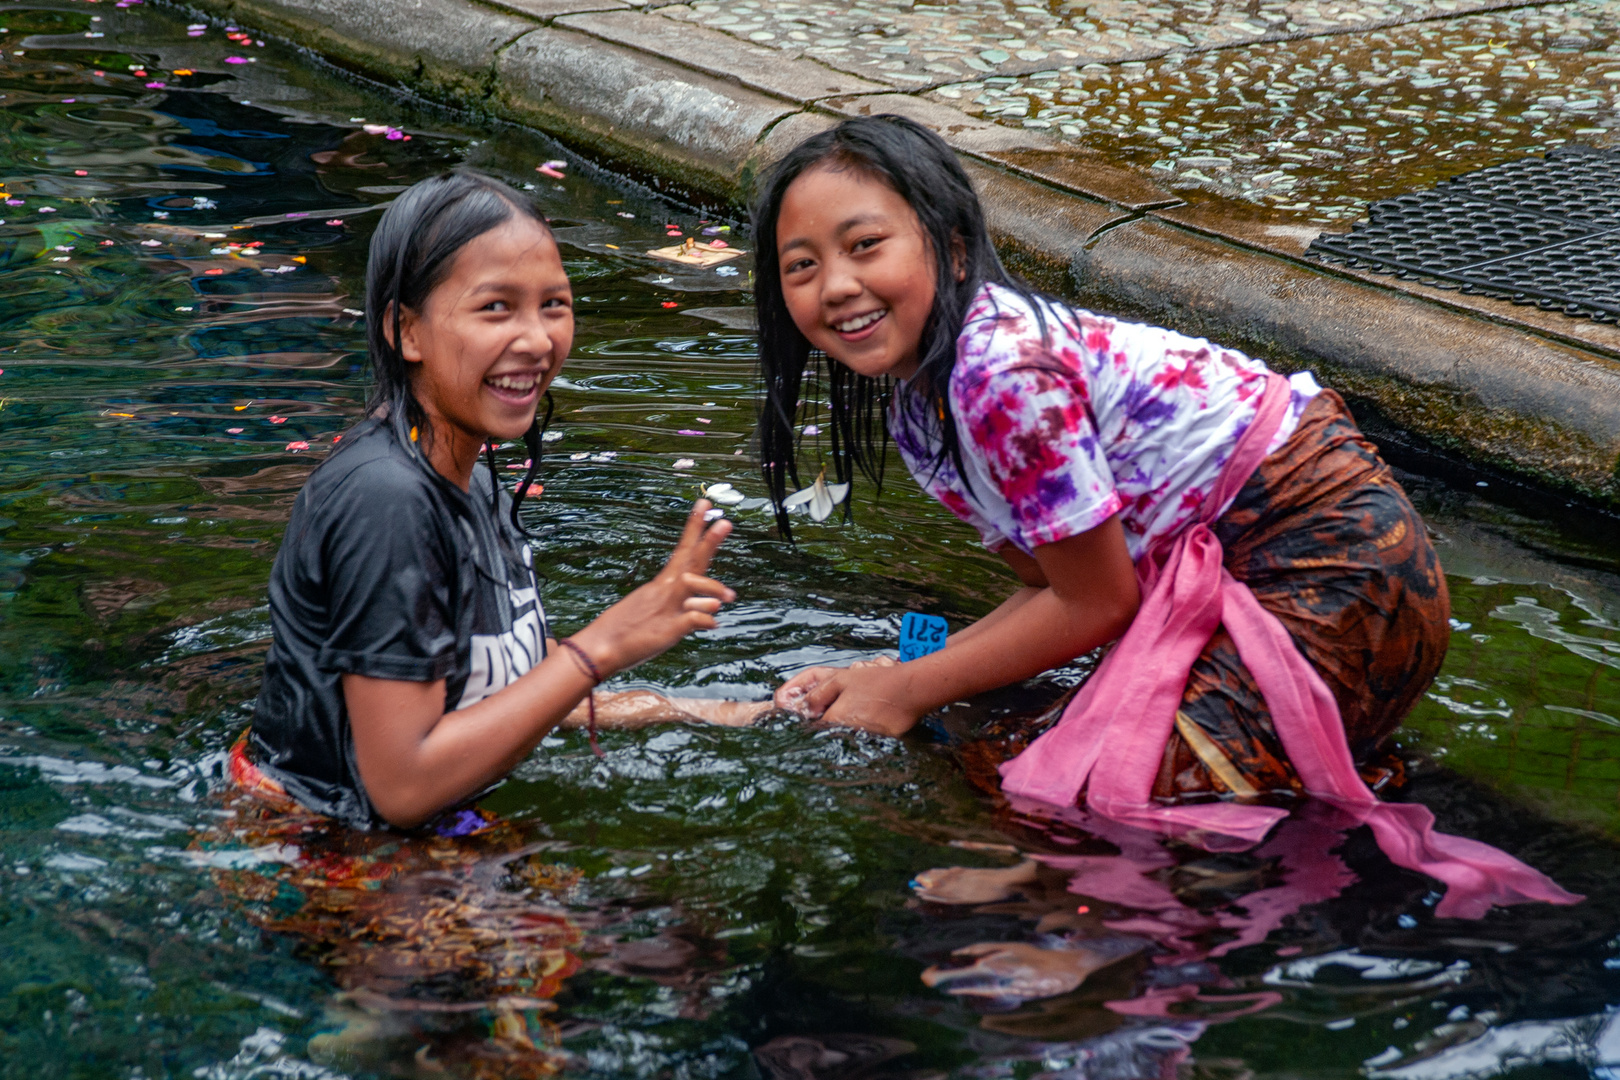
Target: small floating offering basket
[{"x": 693, "y": 253}]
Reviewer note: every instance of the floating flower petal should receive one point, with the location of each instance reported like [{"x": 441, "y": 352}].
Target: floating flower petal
[
  {"x": 723, "y": 494},
  {"x": 821, "y": 497}
]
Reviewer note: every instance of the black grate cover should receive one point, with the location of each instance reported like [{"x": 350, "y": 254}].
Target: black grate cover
[{"x": 1543, "y": 231}]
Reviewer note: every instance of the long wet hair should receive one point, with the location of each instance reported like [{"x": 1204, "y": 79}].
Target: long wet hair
[
  {"x": 924, "y": 171},
  {"x": 412, "y": 251}
]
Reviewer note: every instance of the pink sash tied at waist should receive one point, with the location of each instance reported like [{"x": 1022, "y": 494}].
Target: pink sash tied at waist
[{"x": 1127, "y": 709}]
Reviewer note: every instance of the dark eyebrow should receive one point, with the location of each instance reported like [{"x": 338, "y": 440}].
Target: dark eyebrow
[
  {"x": 503, "y": 286},
  {"x": 859, "y": 219},
  {"x": 843, "y": 227}
]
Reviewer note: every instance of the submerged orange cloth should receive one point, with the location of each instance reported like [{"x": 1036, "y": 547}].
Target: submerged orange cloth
[{"x": 416, "y": 925}]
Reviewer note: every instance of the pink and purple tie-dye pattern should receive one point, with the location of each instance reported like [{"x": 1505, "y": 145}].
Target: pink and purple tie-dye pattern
[{"x": 1104, "y": 417}]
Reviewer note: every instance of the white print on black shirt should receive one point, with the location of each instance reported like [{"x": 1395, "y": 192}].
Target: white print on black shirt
[{"x": 497, "y": 660}]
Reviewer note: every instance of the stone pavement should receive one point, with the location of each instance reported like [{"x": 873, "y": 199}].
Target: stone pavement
[
  {"x": 1165, "y": 160},
  {"x": 1310, "y": 108}
]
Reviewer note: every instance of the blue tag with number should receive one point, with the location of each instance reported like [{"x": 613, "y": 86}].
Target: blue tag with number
[{"x": 921, "y": 635}]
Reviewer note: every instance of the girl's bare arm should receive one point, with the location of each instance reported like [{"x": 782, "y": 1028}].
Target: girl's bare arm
[
  {"x": 629, "y": 709},
  {"x": 415, "y": 758},
  {"x": 1091, "y": 598}
]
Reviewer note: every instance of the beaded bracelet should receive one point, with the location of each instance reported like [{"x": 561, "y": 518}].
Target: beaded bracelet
[{"x": 592, "y": 672}]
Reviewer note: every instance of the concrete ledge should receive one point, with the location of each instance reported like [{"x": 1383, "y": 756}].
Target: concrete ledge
[
  {"x": 766, "y": 70},
  {"x": 629, "y": 107},
  {"x": 442, "y": 48},
  {"x": 544, "y": 11},
  {"x": 1497, "y": 394},
  {"x": 1291, "y": 242},
  {"x": 1023, "y": 151}
]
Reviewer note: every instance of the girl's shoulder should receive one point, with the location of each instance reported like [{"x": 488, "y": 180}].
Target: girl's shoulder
[
  {"x": 370, "y": 474},
  {"x": 1005, "y": 330}
]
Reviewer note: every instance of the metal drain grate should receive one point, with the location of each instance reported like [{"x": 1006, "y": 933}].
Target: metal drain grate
[{"x": 1543, "y": 231}]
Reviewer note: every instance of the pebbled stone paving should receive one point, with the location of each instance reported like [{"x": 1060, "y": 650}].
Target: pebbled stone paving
[
  {"x": 1320, "y": 127},
  {"x": 916, "y": 44},
  {"x": 1307, "y": 111}
]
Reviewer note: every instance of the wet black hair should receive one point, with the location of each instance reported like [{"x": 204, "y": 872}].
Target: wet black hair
[
  {"x": 412, "y": 251},
  {"x": 924, "y": 171}
]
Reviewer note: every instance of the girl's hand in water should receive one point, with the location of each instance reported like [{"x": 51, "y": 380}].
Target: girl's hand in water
[
  {"x": 873, "y": 695},
  {"x": 680, "y": 600},
  {"x": 791, "y": 694}
]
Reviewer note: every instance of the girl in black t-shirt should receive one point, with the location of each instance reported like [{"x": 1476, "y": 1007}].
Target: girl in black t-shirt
[{"x": 411, "y": 666}]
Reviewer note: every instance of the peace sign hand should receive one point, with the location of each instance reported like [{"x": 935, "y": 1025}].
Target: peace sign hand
[{"x": 680, "y": 599}]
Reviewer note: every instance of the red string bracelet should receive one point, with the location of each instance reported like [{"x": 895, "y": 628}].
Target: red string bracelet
[{"x": 592, "y": 672}]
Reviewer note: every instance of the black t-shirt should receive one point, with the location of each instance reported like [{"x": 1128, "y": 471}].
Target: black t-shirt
[{"x": 391, "y": 571}]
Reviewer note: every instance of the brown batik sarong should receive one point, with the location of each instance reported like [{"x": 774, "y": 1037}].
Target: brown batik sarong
[{"x": 1330, "y": 544}]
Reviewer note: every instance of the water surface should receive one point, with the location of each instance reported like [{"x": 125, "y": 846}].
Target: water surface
[{"x": 181, "y": 339}]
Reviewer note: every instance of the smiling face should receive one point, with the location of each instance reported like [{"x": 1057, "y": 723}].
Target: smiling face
[
  {"x": 858, "y": 272},
  {"x": 489, "y": 340}
]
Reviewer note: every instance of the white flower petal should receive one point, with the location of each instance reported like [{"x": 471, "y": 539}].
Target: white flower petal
[
  {"x": 723, "y": 494},
  {"x": 821, "y": 503}
]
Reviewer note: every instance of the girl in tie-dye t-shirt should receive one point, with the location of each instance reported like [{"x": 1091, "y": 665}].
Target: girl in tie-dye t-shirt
[
  {"x": 1083, "y": 450},
  {"x": 1069, "y": 419}
]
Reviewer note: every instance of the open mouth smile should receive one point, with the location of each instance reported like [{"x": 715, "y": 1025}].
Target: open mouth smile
[
  {"x": 515, "y": 387},
  {"x": 859, "y": 326}
]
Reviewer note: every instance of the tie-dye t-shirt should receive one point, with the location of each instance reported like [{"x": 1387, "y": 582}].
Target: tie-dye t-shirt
[{"x": 1105, "y": 418}]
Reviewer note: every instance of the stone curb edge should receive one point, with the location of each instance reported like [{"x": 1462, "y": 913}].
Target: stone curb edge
[{"x": 1501, "y": 390}]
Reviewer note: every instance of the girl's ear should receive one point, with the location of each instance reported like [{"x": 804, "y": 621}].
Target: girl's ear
[
  {"x": 959, "y": 256},
  {"x": 409, "y": 346}
]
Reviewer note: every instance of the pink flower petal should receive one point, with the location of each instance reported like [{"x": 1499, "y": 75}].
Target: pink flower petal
[
  {"x": 278, "y": 419},
  {"x": 688, "y": 431},
  {"x": 236, "y": 59},
  {"x": 234, "y": 430},
  {"x": 297, "y": 445}
]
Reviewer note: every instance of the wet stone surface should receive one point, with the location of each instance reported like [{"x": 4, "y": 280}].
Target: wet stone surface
[
  {"x": 1309, "y": 110},
  {"x": 911, "y": 44},
  {"x": 1321, "y": 127}
]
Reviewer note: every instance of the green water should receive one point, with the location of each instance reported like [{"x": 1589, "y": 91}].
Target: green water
[{"x": 147, "y": 406}]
